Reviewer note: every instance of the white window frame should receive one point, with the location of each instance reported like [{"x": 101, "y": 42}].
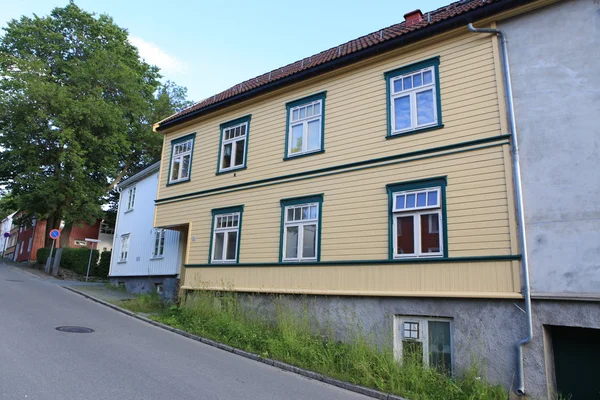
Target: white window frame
[
  {"x": 225, "y": 230},
  {"x": 300, "y": 224},
  {"x": 304, "y": 121},
  {"x": 131, "y": 198},
  {"x": 412, "y": 93},
  {"x": 30, "y": 245},
  {"x": 179, "y": 155},
  {"x": 416, "y": 213},
  {"x": 159, "y": 238},
  {"x": 234, "y": 141},
  {"x": 423, "y": 338},
  {"x": 124, "y": 247}
]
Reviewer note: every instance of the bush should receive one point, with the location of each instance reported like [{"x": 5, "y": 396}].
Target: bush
[
  {"x": 101, "y": 269},
  {"x": 42, "y": 255},
  {"x": 77, "y": 260}
]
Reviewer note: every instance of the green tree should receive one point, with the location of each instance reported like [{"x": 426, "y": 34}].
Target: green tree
[{"x": 76, "y": 112}]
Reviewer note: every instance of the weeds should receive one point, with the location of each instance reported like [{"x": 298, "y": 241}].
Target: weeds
[
  {"x": 290, "y": 336},
  {"x": 150, "y": 303}
]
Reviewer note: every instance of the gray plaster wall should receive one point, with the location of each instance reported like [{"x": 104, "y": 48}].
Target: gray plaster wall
[
  {"x": 485, "y": 333},
  {"x": 147, "y": 284},
  {"x": 554, "y": 55}
]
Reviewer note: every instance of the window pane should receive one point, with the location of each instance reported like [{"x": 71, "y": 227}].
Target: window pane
[
  {"x": 290, "y": 214},
  {"x": 318, "y": 108},
  {"x": 309, "y": 111},
  {"x": 297, "y": 214},
  {"x": 410, "y": 200},
  {"x": 302, "y": 113},
  {"x": 400, "y": 202},
  {"x": 405, "y": 235},
  {"x": 219, "y": 239},
  {"x": 417, "y": 80},
  {"x": 239, "y": 152},
  {"x": 243, "y": 129},
  {"x": 175, "y": 169},
  {"x": 425, "y": 107},
  {"x": 231, "y": 245},
  {"x": 313, "y": 212},
  {"x": 296, "y": 144},
  {"x": 421, "y": 199},
  {"x": 294, "y": 115},
  {"x": 412, "y": 352},
  {"x": 407, "y": 82},
  {"x": 304, "y": 212},
  {"x": 314, "y": 135},
  {"x": 432, "y": 198},
  {"x": 291, "y": 242},
  {"x": 309, "y": 239},
  {"x": 185, "y": 169},
  {"x": 427, "y": 77},
  {"x": 227, "y": 156},
  {"x": 235, "y": 220},
  {"x": 430, "y": 233},
  {"x": 397, "y": 85},
  {"x": 402, "y": 112},
  {"x": 237, "y": 131},
  {"x": 440, "y": 354}
]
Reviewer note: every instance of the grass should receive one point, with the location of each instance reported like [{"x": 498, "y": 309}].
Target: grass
[
  {"x": 149, "y": 303},
  {"x": 290, "y": 337}
]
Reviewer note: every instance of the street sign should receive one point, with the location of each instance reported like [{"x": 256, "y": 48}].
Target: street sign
[
  {"x": 54, "y": 234},
  {"x": 6, "y": 234}
]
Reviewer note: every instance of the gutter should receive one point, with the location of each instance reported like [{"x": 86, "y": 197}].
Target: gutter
[
  {"x": 520, "y": 390},
  {"x": 392, "y": 44}
]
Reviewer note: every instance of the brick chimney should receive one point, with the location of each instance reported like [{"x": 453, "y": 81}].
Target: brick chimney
[{"x": 413, "y": 17}]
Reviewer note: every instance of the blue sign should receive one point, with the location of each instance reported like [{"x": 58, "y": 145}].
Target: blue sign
[
  {"x": 54, "y": 234},
  {"x": 6, "y": 234}
]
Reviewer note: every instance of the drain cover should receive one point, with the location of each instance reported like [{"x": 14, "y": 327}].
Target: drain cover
[
  {"x": 74, "y": 329},
  {"x": 14, "y": 280}
]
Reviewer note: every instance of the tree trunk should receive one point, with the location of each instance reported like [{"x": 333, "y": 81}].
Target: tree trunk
[{"x": 65, "y": 234}]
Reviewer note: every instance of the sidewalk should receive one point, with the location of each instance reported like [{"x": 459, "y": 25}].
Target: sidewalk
[{"x": 104, "y": 292}]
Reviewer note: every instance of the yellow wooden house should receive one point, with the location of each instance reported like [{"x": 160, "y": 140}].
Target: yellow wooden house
[{"x": 375, "y": 174}]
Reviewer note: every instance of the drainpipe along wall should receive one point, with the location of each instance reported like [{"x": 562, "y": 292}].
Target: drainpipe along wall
[{"x": 520, "y": 389}]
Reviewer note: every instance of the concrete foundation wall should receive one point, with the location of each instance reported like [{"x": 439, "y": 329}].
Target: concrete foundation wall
[
  {"x": 147, "y": 284},
  {"x": 485, "y": 332},
  {"x": 554, "y": 63}
]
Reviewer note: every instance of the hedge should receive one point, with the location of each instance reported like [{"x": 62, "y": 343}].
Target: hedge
[
  {"x": 74, "y": 259},
  {"x": 101, "y": 269}
]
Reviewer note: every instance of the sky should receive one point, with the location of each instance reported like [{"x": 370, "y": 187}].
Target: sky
[{"x": 209, "y": 46}]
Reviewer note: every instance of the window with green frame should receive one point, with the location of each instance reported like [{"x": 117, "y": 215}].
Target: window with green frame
[
  {"x": 305, "y": 126},
  {"x": 225, "y": 235},
  {"x": 413, "y": 98},
  {"x": 301, "y": 229},
  {"x": 417, "y": 226},
  {"x": 233, "y": 145},
  {"x": 180, "y": 164}
]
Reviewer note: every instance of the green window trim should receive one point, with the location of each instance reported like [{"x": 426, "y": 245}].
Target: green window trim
[
  {"x": 191, "y": 136},
  {"x": 313, "y": 198},
  {"x": 245, "y": 119},
  {"x": 295, "y": 103},
  {"x": 441, "y": 182},
  {"x": 389, "y": 75},
  {"x": 220, "y": 211}
]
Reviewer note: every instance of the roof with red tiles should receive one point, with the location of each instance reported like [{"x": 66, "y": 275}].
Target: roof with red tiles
[{"x": 349, "y": 52}]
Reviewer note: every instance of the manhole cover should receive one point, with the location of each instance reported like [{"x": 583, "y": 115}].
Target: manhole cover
[
  {"x": 74, "y": 329},
  {"x": 14, "y": 280}
]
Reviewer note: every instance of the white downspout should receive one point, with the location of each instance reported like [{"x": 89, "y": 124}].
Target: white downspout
[{"x": 520, "y": 389}]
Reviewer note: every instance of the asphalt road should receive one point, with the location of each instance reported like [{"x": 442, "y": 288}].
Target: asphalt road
[{"x": 124, "y": 359}]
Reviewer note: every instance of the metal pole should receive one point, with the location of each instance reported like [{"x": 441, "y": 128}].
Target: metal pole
[
  {"x": 49, "y": 260},
  {"x": 89, "y": 262}
]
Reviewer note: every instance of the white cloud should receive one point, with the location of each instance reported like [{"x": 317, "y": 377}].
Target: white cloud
[{"x": 154, "y": 55}]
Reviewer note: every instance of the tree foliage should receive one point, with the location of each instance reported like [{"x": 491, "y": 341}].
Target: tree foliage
[{"x": 76, "y": 111}]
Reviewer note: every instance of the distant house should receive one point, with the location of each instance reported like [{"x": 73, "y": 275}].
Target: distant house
[
  {"x": 5, "y": 227},
  {"x": 144, "y": 259}
]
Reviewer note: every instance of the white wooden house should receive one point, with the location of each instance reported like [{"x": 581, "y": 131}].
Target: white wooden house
[{"x": 144, "y": 259}]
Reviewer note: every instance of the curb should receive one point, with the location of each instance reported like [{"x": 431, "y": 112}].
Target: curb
[{"x": 278, "y": 364}]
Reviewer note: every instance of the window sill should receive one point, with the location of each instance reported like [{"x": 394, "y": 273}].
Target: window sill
[
  {"x": 419, "y": 130},
  {"x": 307, "y": 260},
  {"x": 178, "y": 182},
  {"x": 288, "y": 157},
  {"x": 128, "y": 211},
  {"x": 223, "y": 262},
  {"x": 122, "y": 262},
  {"x": 413, "y": 257},
  {"x": 157, "y": 258},
  {"x": 231, "y": 170}
]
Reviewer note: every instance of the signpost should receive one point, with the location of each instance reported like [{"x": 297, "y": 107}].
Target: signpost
[
  {"x": 6, "y": 236},
  {"x": 92, "y": 241},
  {"x": 54, "y": 234}
]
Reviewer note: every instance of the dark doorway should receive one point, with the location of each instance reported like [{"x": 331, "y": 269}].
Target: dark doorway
[{"x": 576, "y": 362}]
